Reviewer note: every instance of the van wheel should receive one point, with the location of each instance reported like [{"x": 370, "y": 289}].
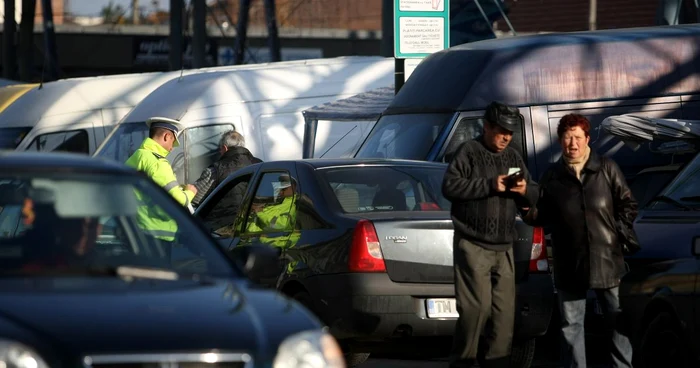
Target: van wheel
[
  {"x": 352, "y": 359},
  {"x": 522, "y": 353},
  {"x": 663, "y": 344}
]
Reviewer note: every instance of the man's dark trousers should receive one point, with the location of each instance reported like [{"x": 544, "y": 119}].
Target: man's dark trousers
[{"x": 484, "y": 288}]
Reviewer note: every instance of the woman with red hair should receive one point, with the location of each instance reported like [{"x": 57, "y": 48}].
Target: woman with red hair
[{"x": 585, "y": 201}]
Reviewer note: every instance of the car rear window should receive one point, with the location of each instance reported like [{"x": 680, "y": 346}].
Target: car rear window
[{"x": 360, "y": 189}]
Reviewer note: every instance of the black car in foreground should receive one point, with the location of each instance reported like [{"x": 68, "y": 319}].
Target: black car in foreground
[
  {"x": 368, "y": 245},
  {"x": 91, "y": 276}
]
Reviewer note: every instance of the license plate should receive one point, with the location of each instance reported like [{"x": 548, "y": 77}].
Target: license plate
[{"x": 441, "y": 308}]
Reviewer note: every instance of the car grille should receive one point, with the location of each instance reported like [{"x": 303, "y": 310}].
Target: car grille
[{"x": 186, "y": 360}]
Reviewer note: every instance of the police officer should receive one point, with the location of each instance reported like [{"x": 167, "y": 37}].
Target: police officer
[{"x": 150, "y": 159}]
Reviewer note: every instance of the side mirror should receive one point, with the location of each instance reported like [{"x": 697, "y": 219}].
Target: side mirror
[
  {"x": 696, "y": 246},
  {"x": 261, "y": 263}
]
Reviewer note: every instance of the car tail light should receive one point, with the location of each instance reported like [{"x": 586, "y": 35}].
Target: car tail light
[
  {"x": 429, "y": 206},
  {"x": 539, "y": 262},
  {"x": 365, "y": 251}
]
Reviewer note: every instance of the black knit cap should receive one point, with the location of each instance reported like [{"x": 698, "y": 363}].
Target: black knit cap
[{"x": 507, "y": 117}]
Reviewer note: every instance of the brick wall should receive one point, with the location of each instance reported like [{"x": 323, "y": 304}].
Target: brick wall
[
  {"x": 525, "y": 15},
  {"x": 341, "y": 14},
  {"x": 572, "y": 15}
]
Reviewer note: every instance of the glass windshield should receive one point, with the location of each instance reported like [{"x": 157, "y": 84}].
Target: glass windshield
[
  {"x": 57, "y": 223},
  {"x": 124, "y": 141},
  {"x": 10, "y": 138},
  {"x": 383, "y": 188},
  {"x": 684, "y": 190},
  {"x": 408, "y": 136}
]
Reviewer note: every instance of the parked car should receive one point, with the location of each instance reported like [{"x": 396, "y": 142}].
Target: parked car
[
  {"x": 368, "y": 244},
  {"x": 73, "y": 295},
  {"x": 659, "y": 295}
]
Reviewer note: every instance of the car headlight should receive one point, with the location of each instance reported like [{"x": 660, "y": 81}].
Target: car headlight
[
  {"x": 309, "y": 349},
  {"x": 16, "y": 355}
]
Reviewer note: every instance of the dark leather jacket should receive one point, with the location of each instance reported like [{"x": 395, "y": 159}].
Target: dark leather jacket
[
  {"x": 581, "y": 216},
  {"x": 233, "y": 159}
]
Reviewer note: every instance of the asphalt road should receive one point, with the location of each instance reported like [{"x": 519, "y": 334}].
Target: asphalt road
[{"x": 547, "y": 355}]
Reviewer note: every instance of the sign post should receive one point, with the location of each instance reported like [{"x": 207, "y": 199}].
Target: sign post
[{"x": 421, "y": 27}]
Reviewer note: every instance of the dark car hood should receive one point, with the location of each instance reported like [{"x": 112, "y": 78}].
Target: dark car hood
[{"x": 110, "y": 315}]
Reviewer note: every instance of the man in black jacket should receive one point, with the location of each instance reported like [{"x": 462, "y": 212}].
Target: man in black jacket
[
  {"x": 234, "y": 156},
  {"x": 484, "y": 203}
]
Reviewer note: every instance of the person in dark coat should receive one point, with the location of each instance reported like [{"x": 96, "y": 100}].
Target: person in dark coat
[
  {"x": 234, "y": 156},
  {"x": 485, "y": 202},
  {"x": 587, "y": 205}
]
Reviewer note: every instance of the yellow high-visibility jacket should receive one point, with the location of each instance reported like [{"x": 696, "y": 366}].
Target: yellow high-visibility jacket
[{"x": 150, "y": 159}]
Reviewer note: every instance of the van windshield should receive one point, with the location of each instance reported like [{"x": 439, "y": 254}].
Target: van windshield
[
  {"x": 10, "y": 138},
  {"x": 123, "y": 142},
  {"x": 407, "y": 136}
]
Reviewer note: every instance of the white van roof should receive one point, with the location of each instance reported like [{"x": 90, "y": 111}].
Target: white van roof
[
  {"x": 86, "y": 94},
  {"x": 259, "y": 82},
  {"x": 81, "y": 94}
]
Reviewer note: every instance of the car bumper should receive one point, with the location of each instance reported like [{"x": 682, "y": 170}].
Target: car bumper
[{"x": 372, "y": 306}]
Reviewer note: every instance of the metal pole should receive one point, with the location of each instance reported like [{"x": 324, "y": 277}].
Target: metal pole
[
  {"x": 399, "y": 75},
  {"x": 9, "y": 57},
  {"x": 241, "y": 32},
  {"x": 483, "y": 14},
  {"x": 26, "y": 41},
  {"x": 387, "y": 44},
  {"x": 272, "y": 34},
  {"x": 505, "y": 17},
  {"x": 50, "y": 52},
  {"x": 175, "y": 37},
  {"x": 199, "y": 39}
]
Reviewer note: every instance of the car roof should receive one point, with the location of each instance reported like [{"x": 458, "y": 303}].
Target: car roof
[
  {"x": 12, "y": 161},
  {"x": 320, "y": 163},
  {"x": 554, "y": 68}
]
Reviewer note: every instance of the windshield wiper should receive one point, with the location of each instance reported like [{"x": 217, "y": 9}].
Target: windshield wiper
[
  {"x": 124, "y": 272},
  {"x": 667, "y": 199}
]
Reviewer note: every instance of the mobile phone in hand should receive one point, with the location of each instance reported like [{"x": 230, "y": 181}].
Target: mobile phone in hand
[{"x": 514, "y": 177}]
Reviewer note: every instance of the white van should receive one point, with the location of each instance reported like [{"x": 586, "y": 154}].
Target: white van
[
  {"x": 76, "y": 114},
  {"x": 263, "y": 102}
]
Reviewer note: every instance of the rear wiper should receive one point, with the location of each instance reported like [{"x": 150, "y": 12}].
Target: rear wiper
[{"x": 667, "y": 199}]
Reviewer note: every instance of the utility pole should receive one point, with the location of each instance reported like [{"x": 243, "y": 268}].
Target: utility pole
[
  {"x": 199, "y": 28},
  {"x": 175, "y": 38},
  {"x": 26, "y": 41},
  {"x": 9, "y": 57},
  {"x": 241, "y": 32},
  {"x": 135, "y": 12},
  {"x": 387, "y": 44},
  {"x": 592, "y": 15},
  {"x": 50, "y": 52},
  {"x": 272, "y": 33}
]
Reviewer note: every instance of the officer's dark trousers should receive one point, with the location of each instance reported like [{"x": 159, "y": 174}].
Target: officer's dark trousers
[{"x": 485, "y": 292}]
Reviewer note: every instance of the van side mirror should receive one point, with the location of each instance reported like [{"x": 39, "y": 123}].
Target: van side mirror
[
  {"x": 261, "y": 263},
  {"x": 696, "y": 246}
]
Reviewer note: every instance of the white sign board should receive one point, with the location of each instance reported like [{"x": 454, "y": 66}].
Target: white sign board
[
  {"x": 409, "y": 65},
  {"x": 421, "y": 35}
]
